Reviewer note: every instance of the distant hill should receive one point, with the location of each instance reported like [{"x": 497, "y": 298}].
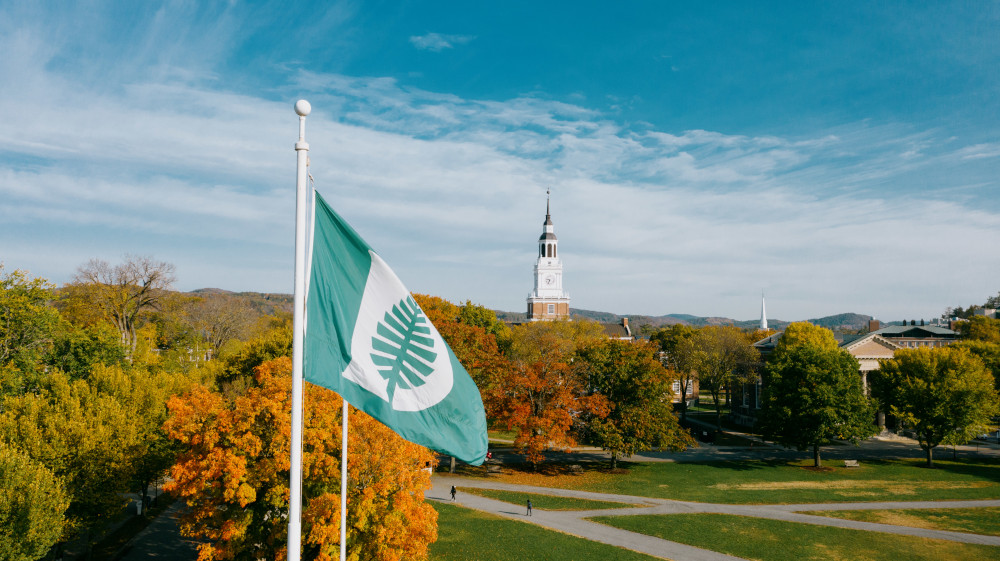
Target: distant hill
[
  {"x": 511, "y": 317},
  {"x": 276, "y": 303},
  {"x": 839, "y": 322},
  {"x": 265, "y": 303},
  {"x": 842, "y": 322}
]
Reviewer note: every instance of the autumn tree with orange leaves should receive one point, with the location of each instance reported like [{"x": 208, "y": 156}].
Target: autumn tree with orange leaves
[
  {"x": 543, "y": 395},
  {"x": 234, "y": 470}
]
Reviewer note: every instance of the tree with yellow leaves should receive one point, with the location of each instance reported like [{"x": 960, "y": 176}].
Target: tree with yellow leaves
[{"x": 233, "y": 474}]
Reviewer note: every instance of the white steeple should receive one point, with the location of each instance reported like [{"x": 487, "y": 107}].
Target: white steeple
[
  {"x": 548, "y": 300},
  {"x": 763, "y": 312}
]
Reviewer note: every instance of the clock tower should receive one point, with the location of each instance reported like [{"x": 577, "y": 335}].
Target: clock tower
[{"x": 548, "y": 301}]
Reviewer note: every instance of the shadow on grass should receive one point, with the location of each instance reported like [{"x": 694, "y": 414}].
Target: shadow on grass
[
  {"x": 984, "y": 468},
  {"x": 552, "y": 468},
  {"x": 745, "y": 465}
]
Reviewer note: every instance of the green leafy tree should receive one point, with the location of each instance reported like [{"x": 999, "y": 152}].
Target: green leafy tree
[
  {"x": 723, "y": 356},
  {"x": 80, "y": 434},
  {"x": 101, "y": 435},
  {"x": 26, "y": 320},
  {"x": 980, "y": 328},
  {"x": 813, "y": 395},
  {"x": 987, "y": 352},
  {"x": 993, "y": 302},
  {"x": 800, "y": 333},
  {"x": 480, "y": 316},
  {"x": 32, "y": 507},
  {"x": 76, "y": 351},
  {"x": 236, "y": 370},
  {"x": 637, "y": 387},
  {"x": 678, "y": 355},
  {"x": 944, "y": 394}
]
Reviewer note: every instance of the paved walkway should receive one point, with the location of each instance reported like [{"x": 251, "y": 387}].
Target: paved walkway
[
  {"x": 162, "y": 540},
  {"x": 575, "y": 523}
]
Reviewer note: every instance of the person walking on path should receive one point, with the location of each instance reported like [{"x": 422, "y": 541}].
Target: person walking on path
[
  {"x": 453, "y": 491},
  {"x": 529, "y": 508}
]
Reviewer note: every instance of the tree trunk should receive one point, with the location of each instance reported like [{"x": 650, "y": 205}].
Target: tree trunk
[
  {"x": 816, "y": 460},
  {"x": 614, "y": 462},
  {"x": 684, "y": 402},
  {"x": 452, "y": 468},
  {"x": 718, "y": 412},
  {"x": 930, "y": 457}
]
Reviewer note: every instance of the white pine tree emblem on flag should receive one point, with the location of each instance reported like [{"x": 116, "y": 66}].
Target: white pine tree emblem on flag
[{"x": 403, "y": 347}]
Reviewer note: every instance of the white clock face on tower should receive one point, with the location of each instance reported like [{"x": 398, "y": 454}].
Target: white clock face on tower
[{"x": 549, "y": 280}]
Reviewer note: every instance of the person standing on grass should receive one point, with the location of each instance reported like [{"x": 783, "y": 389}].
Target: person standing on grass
[
  {"x": 529, "y": 508},
  {"x": 453, "y": 491}
]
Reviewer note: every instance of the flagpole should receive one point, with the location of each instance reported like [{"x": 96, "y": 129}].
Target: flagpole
[
  {"x": 302, "y": 108},
  {"x": 343, "y": 484}
]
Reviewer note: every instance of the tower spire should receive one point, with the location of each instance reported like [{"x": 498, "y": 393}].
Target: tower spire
[
  {"x": 548, "y": 215},
  {"x": 763, "y": 312}
]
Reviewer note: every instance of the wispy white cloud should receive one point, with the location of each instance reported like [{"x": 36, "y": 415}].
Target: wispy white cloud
[
  {"x": 979, "y": 151},
  {"x": 437, "y": 42},
  {"x": 450, "y": 190}
]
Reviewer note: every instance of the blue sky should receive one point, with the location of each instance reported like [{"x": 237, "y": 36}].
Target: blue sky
[{"x": 840, "y": 156}]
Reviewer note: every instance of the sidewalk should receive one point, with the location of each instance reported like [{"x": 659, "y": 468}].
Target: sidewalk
[
  {"x": 162, "y": 540},
  {"x": 575, "y": 523}
]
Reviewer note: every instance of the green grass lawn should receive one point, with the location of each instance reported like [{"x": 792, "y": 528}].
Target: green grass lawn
[
  {"x": 775, "y": 540},
  {"x": 502, "y": 434},
  {"x": 973, "y": 520},
  {"x": 544, "y": 502},
  {"x": 782, "y": 482},
  {"x": 465, "y": 534}
]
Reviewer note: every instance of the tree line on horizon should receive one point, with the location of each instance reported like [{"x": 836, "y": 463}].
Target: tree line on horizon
[{"x": 114, "y": 380}]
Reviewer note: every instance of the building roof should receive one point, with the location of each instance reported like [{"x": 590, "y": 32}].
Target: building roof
[
  {"x": 617, "y": 330},
  {"x": 769, "y": 342},
  {"x": 860, "y": 341},
  {"x": 916, "y": 331}
]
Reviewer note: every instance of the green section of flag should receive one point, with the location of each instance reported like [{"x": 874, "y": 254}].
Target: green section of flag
[{"x": 393, "y": 367}]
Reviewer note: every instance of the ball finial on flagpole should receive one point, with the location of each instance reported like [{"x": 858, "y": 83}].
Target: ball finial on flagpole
[{"x": 302, "y": 107}]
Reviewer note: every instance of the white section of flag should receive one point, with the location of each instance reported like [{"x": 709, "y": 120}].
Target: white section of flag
[{"x": 383, "y": 290}]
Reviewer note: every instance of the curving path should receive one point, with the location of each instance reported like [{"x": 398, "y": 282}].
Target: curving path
[{"x": 575, "y": 523}]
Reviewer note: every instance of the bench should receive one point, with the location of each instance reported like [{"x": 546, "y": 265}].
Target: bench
[{"x": 851, "y": 464}]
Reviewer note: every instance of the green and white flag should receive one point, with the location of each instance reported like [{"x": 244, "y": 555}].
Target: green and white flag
[{"x": 366, "y": 339}]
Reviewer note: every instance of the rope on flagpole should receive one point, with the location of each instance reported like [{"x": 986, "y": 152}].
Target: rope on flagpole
[{"x": 302, "y": 108}]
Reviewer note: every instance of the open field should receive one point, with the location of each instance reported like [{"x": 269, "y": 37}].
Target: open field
[
  {"x": 544, "y": 502},
  {"x": 973, "y": 520},
  {"x": 773, "y": 540},
  {"x": 776, "y": 482},
  {"x": 465, "y": 534}
]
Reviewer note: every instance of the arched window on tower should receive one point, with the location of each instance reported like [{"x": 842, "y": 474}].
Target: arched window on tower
[{"x": 553, "y": 250}]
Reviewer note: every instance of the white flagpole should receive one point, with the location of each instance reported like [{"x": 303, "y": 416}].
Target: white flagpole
[
  {"x": 343, "y": 484},
  {"x": 303, "y": 108}
]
